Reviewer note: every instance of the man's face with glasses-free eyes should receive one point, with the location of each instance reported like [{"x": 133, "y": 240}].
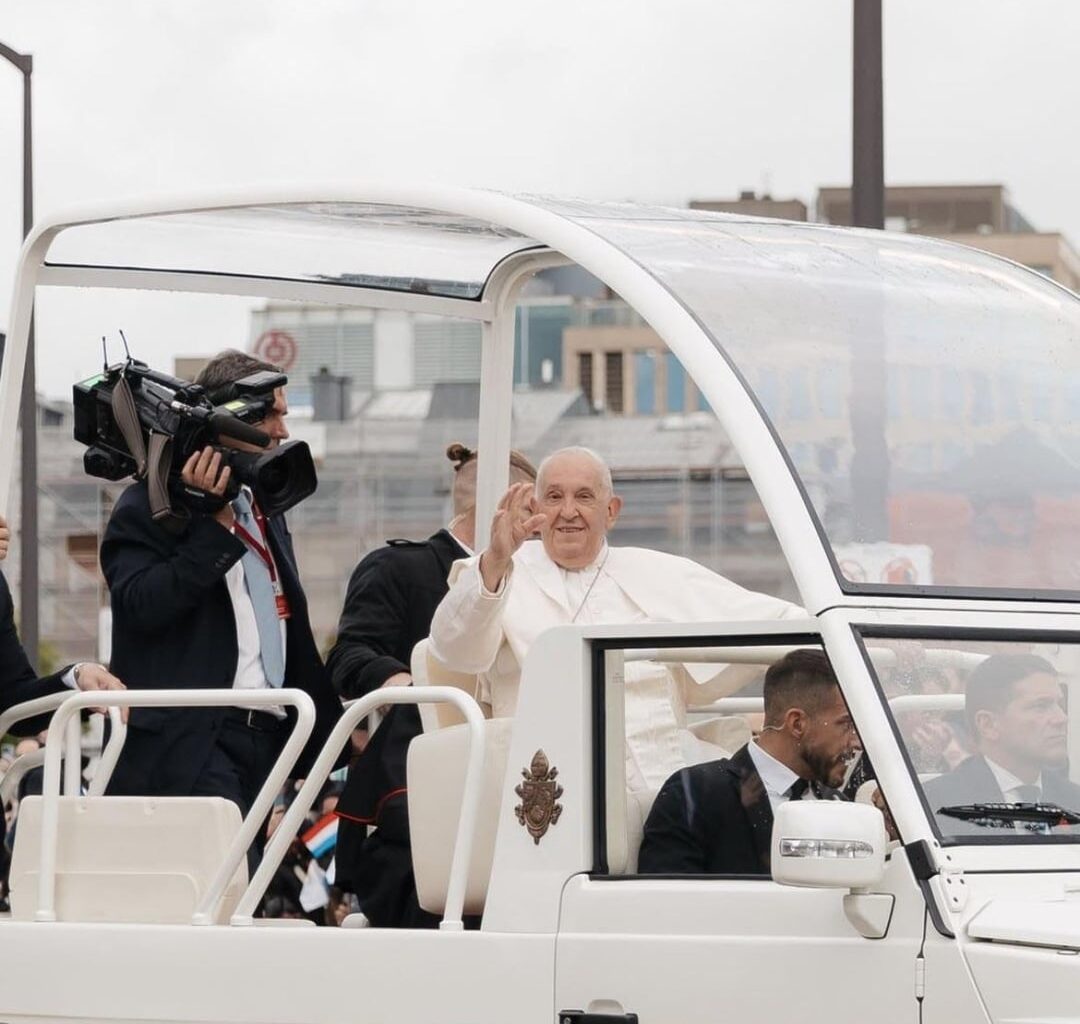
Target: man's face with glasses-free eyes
[{"x": 830, "y": 741}]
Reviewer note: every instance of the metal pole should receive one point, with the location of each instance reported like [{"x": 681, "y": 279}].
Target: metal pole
[
  {"x": 28, "y": 503},
  {"x": 868, "y": 146},
  {"x": 869, "y": 399}
]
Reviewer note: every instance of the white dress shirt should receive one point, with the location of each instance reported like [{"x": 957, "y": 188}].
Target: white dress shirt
[
  {"x": 249, "y": 667},
  {"x": 776, "y": 776},
  {"x": 1009, "y": 784}
]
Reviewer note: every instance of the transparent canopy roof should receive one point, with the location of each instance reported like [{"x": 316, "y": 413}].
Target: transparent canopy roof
[
  {"x": 359, "y": 244},
  {"x": 926, "y": 396}
]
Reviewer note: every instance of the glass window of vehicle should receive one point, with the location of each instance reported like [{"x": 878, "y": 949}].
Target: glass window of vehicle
[{"x": 991, "y": 732}]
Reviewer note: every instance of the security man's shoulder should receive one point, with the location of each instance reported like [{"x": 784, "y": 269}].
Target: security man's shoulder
[{"x": 393, "y": 553}]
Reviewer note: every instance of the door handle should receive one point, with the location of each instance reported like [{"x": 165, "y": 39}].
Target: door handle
[{"x": 581, "y": 1017}]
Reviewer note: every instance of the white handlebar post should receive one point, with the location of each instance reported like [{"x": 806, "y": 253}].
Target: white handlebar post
[
  {"x": 354, "y": 712},
  {"x": 73, "y": 704},
  {"x": 110, "y": 755},
  {"x": 72, "y": 733}
]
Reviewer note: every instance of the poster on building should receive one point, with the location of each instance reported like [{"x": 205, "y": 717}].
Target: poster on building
[{"x": 896, "y": 564}]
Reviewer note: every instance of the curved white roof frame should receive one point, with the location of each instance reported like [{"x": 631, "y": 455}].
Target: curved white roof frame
[{"x": 539, "y": 221}]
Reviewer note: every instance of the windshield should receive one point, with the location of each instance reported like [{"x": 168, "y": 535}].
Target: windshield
[
  {"x": 991, "y": 733},
  {"x": 927, "y": 396}
]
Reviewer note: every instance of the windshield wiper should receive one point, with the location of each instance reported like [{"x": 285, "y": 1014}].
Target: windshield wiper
[{"x": 996, "y": 814}]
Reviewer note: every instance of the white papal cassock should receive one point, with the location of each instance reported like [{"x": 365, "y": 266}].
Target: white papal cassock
[{"x": 489, "y": 634}]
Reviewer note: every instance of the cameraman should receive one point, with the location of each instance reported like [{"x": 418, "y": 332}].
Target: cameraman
[{"x": 216, "y": 605}]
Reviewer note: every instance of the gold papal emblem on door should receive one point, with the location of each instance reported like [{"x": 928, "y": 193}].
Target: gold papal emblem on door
[{"x": 539, "y": 808}]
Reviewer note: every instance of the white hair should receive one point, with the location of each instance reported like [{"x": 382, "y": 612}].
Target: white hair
[{"x": 601, "y": 467}]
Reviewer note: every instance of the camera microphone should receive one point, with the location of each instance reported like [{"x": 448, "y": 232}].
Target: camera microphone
[{"x": 224, "y": 425}]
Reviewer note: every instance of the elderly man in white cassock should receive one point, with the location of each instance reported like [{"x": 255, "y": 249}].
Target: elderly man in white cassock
[{"x": 501, "y": 600}]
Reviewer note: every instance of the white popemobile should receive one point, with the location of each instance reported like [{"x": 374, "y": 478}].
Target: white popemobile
[{"x": 909, "y": 414}]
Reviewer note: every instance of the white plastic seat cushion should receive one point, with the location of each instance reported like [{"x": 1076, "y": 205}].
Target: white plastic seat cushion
[
  {"x": 128, "y": 859},
  {"x": 436, "y": 780},
  {"x": 638, "y": 804},
  {"x": 426, "y": 671}
]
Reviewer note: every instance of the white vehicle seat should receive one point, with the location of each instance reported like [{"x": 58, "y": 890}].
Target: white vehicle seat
[
  {"x": 436, "y": 779},
  {"x": 426, "y": 671},
  {"x": 128, "y": 859},
  {"x": 725, "y": 732},
  {"x": 638, "y": 805}
]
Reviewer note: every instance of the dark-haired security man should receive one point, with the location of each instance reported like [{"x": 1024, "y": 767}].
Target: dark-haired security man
[{"x": 716, "y": 818}]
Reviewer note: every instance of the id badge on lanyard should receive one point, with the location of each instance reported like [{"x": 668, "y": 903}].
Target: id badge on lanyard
[{"x": 262, "y": 549}]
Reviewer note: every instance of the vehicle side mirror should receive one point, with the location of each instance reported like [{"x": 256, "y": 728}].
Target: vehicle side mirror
[{"x": 829, "y": 844}]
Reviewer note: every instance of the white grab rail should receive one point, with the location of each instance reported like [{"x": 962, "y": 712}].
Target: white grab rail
[
  {"x": 354, "y": 711},
  {"x": 32, "y": 708},
  {"x": 260, "y": 809},
  {"x": 901, "y": 702},
  {"x": 24, "y": 763},
  {"x": 110, "y": 755}
]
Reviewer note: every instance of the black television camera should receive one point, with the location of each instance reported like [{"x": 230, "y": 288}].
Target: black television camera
[{"x": 143, "y": 423}]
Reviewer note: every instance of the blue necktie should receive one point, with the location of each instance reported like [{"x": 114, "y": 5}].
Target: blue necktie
[{"x": 260, "y": 589}]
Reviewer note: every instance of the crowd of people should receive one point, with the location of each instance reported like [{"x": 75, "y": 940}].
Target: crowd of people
[{"x": 219, "y": 603}]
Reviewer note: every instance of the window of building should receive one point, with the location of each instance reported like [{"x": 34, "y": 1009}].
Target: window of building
[
  {"x": 445, "y": 350},
  {"x": 675, "y": 400},
  {"x": 585, "y": 377},
  {"x": 798, "y": 395},
  {"x": 613, "y": 390},
  {"x": 645, "y": 382},
  {"x": 951, "y": 393},
  {"x": 830, "y": 391}
]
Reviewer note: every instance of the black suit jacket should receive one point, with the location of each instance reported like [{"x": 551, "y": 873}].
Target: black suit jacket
[
  {"x": 972, "y": 782},
  {"x": 712, "y": 819},
  {"x": 18, "y": 681},
  {"x": 392, "y": 596},
  {"x": 173, "y": 627}
]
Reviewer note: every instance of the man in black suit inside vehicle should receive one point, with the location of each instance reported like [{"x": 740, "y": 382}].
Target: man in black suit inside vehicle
[
  {"x": 218, "y": 604},
  {"x": 1015, "y": 710},
  {"x": 716, "y": 818}
]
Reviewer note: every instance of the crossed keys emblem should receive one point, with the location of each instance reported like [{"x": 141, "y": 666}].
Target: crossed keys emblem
[{"x": 539, "y": 793}]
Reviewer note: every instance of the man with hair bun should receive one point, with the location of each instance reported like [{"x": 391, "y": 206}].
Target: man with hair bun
[
  {"x": 716, "y": 818},
  {"x": 391, "y": 597}
]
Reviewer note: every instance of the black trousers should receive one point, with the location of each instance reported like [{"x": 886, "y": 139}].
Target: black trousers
[{"x": 239, "y": 764}]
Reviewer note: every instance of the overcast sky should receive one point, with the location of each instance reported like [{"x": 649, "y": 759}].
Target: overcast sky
[{"x": 659, "y": 101}]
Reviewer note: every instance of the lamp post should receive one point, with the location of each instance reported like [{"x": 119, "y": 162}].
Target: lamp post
[
  {"x": 869, "y": 399},
  {"x": 867, "y": 136},
  {"x": 28, "y": 507}
]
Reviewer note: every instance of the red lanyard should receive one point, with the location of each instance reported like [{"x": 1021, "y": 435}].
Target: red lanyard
[{"x": 263, "y": 551}]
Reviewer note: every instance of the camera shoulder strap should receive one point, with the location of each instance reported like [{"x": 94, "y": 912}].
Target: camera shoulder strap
[
  {"x": 127, "y": 419},
  {"x": 157, "y": 481}
]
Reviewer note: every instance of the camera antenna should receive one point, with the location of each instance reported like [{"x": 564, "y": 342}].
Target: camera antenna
[
  {"x": 127, "y": 351},
  {"x": 104, "y": 354}
]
